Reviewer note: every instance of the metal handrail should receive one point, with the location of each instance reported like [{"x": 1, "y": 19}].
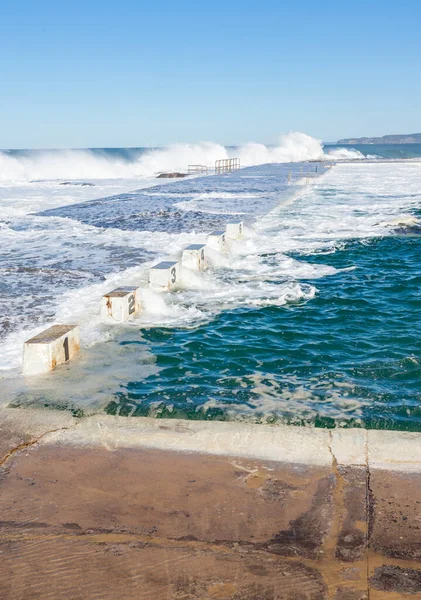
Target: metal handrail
[
  {"x": 226, "y": 165},
  {"x": 193, "y": 169}
]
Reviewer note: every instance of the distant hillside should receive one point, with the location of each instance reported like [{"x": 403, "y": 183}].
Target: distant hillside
[{"x": 409, "y": 138}]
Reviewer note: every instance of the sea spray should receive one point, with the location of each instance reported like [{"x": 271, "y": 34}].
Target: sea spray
[{"x": 101, "y": 164}]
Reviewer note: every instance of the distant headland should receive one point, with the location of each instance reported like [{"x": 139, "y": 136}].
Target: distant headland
[{"x": 410, "y": 138}]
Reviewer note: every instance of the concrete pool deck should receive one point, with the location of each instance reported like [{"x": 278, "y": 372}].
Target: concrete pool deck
[{"x": 115, "y": 508}]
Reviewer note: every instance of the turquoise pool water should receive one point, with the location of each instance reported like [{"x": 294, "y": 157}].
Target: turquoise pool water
[{"x": 350, "y": 356}]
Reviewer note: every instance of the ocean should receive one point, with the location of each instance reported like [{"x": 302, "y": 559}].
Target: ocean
[{"x": 313, "y": 318}]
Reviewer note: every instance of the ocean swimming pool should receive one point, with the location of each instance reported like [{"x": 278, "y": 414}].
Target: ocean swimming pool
[{"x": 314, "y": 317}]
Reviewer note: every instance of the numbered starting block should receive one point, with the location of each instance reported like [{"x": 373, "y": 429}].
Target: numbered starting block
[
  {"x": 120, "y": 304},
  {"x": 235, "y": 230},
  {"x": 217, "y": 240},
  {"x": 164, "y": 276},
  {"x": 52, "y": 347},
  {"x": 194, "y": 257}
]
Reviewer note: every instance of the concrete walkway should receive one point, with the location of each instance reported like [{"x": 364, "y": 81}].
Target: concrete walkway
[{"x": 106, "y": 508}]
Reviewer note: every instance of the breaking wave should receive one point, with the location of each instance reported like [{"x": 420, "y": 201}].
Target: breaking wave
[
  {"x": 345, "y": 154},
  {"x": 139, "y": 163}
]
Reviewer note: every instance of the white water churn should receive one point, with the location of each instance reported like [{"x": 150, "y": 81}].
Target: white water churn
[
  {"x": 194, "y": 257},
  {"x": 120, "y": 304},
  {"x": 217, "y": 240},
  {"x": 50, "y": 348},
  {"x": 235, "y": 230},
  {"x": 164, "y": 276}
]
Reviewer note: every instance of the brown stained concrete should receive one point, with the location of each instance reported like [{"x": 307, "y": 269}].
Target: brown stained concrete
[
  {"x": 396, "y": 528},
  {"x": 395, "y": 535},
  {"x": 81, "y": 523}
]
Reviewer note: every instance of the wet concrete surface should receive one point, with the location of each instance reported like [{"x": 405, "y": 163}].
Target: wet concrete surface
[{"x": 88, "y": 523}]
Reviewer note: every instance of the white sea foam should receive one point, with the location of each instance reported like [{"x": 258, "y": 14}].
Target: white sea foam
[
  {"x": 344, "y": 154},
  {"x": 269, "y": 397},
  {"x": 18, "y": 198},
  {"x": 351, "y": 201},
  {"x": 403, "y": 221}
]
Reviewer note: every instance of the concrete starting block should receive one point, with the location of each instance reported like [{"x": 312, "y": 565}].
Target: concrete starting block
[
  {"x": 164, "y": 276},
  {"x": 217, "y": 240},
  {"x": 120, "y": 304},
  {"x": 194, "y": 257},
  {"x": 235, "y": 230},
  {"x": 50, "y": 348}
]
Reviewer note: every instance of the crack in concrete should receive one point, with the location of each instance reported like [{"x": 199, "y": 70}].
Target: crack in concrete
[
  {"x": 25, "y": 445},
  {"x": 338, "y": 497},
  {"x": 369, "y": 508},
  {"x": 330, "y": 545},
  {"x": 340, "y": 513}
]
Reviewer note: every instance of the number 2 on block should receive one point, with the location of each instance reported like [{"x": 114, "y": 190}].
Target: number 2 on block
[{"x": 131, "y": 305}]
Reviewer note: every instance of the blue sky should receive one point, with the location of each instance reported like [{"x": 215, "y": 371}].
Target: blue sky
[{"x": 136, "y": 73}]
